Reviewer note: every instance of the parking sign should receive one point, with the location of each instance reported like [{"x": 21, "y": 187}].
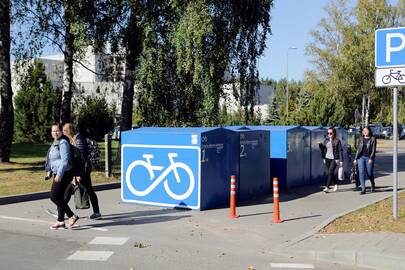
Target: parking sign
[{"x": 390, "y": 47}]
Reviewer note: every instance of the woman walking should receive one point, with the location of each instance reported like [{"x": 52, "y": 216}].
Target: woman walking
[
  {"x": 332, "y": 154},
  {"x": 364, "y": 158},
  {"x": 58, "y": 166},
  {"x": 80, "y": 142}
]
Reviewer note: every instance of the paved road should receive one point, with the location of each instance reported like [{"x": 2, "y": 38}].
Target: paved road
[{"x": 144, "y": 237}]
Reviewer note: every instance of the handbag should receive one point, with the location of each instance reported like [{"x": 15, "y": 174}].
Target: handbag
[
  {"x": 341, "y": 174},
  {"x": 354, "y": 175},
  {"x": 81, "y": 197}
]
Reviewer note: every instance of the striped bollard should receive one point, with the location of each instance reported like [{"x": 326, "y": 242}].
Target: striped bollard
[
  {"x": 276, "y": 202},
  {"x": 232, "y": 209}
]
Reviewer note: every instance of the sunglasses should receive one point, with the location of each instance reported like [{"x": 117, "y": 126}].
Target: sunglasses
[{"x": 330, "y": 133}]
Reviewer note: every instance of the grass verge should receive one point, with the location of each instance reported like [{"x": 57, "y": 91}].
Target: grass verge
[
  {"x": 25, "y": 173},
  {"x": 374, "y": 218}
]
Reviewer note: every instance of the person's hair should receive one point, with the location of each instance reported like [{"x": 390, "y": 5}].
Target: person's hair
[
  {"x": 69, "y": 130},
  {"x": 333, "y": 131},
  {"x": 56, "y": 124},
  {"x": 370, "y": 132}
]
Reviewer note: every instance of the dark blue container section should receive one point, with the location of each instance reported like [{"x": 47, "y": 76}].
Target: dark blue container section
[
  {"x": 318, "y": 172},
  {"x": 343, "y": 135},
  {"x": 178, "y": 167},
  {"x": 289, "y": 155},
  {"x": 254, "y": 168}
]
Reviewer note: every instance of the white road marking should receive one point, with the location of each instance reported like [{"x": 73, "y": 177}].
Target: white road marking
[
  {"x": 109, "y": 241},
  {"x": 292, "y": 265},
  {"x": 47, "y": 222},
  {"x": 90, "y": 256}
]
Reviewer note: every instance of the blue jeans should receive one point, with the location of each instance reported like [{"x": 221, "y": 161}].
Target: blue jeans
[{"x": 365, "y": 168}]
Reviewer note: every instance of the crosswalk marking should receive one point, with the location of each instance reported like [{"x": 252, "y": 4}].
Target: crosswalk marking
[
  {"x": 90, "y": 255},
  {"x": 292, "y": 265},
  {"x": 109, "y": 241}
]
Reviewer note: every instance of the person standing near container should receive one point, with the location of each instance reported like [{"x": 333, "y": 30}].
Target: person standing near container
[
  {"x": 78, "y": 140},
  {"x": 332, "y": 154},
  {"x": 58, "y": 166},
  {"x": 364, "y": 158}
]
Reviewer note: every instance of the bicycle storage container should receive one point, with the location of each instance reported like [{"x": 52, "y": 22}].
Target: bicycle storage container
[
  {"x": 318, "y": 171},
  {"x": 178, "y": 167},
  {"x": 289, "y": 155},
  {"x": 253, "y": 179}
]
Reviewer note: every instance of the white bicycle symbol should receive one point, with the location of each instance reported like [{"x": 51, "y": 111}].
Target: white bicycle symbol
[{"x": 174, "y": 166}]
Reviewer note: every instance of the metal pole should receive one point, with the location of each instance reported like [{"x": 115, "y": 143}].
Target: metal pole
[
  {"x": 286, "y": 108},
  {"x": 395, "y": 155},
  {"x": 107, "y": 140}
]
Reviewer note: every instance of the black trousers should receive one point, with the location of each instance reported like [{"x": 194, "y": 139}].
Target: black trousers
[
  {"x": 331, "y": 167},
  {"x": 87, "y": 185},
  {"x": 58, "y": 196}
]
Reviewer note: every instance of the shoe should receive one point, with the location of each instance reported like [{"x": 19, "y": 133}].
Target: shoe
[
  {"x": 372, "y": 189},
  {"x": 362, "y": 192},
  {"x": 326, "y": 190},
  {"x": 335, "y": 188},
  {"x": 72, "y": 220},
  {"x": 95, "y": 216},
  {"x": 58, "y": 225},
  {"x": 356, "y": 189}
]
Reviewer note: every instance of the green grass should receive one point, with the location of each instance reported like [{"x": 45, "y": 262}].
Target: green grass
[{"x": 25, "y": 173}]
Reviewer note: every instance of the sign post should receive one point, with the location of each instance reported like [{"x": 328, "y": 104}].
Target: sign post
[{"x": 390, "y": 71}]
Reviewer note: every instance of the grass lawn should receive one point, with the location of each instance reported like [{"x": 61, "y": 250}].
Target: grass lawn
[
  {"x": 374, "y": 218},
  {"x": 25, "y": 173}
]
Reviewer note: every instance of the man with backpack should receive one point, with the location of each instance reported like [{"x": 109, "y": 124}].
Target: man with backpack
[{"x": 83, "y": 168}]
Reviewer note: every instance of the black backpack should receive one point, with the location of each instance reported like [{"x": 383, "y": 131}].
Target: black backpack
[{"x": 78, "y": 160}]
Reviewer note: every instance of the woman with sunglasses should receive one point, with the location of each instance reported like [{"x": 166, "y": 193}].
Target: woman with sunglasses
[
  {"x": 332, "y": 154},
  {"x": 365, "y": 156}
]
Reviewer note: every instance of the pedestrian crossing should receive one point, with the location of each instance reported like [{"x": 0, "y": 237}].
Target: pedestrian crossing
[
  {"x": 291, "y": 266},
  {"x": 97, "y": 255}
]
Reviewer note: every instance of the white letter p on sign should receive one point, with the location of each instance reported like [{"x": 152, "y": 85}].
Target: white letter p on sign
[{"x": 394, "y": 49}]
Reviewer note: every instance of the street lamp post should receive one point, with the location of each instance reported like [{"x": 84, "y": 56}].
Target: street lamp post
[{"x": 289, "y": 48}]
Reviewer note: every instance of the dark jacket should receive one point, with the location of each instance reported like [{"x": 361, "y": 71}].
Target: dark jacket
[
  {"x": 371, "y": 147},
  {"x": 81, "y": 143},
  {"x": 337, "y": 149}
]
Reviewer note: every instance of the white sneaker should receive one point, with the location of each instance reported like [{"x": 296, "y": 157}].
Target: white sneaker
[
  {"x": 335, "y": 188},
  {"x": 326, "y": 189}
]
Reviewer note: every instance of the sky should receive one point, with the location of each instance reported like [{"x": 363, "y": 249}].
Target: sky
[{"x": 291, "y": 22}]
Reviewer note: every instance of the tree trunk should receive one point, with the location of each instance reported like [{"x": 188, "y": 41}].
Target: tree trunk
[
  {"x": 6, "y": 109},
  {"x": 65, "y": 108},
  {"x": 133, "y": 50},
  {"x": 127, "y": 95}
]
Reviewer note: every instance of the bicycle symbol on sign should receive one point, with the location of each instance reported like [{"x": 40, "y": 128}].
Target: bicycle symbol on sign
[
  {"x": 174, "y": 166},
  {"x": 394, "y": 75}
]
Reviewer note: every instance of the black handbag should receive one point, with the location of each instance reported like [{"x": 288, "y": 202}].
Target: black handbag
[{"x": 81, "y": 197}]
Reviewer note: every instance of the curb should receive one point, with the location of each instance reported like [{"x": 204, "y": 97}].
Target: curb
[
  {"x": 350, "y": 258},
  {"x": 345, "y": 257},
  {"x": 45, "y": 194}
]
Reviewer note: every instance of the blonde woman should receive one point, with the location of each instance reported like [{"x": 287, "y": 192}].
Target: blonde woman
[{"x": 84, "y": 177}]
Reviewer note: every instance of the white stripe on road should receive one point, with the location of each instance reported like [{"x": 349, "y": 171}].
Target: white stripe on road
[
  {"x": 109, "y": 241},
  {"x": 90, "y": 256},
  {"x": 292, "y": 265},
  {"x": 47, "y": 222}
]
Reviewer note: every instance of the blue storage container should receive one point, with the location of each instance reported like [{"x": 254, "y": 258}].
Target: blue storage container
[
  {"x": 289, "y": 155},
  {"x": 253, "y": 179},
  {"x": 318, "y": 169},
  {"x": 178, "y": 167}
]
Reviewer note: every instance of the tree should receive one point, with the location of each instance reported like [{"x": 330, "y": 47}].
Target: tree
[
  {"x": 6, "y": 93},
  {"x": 343, "y": 55},
  {"x": 37, "y": 106},
  {"x": 94, "y": 118},
  {"x": 69, "y": 25}
]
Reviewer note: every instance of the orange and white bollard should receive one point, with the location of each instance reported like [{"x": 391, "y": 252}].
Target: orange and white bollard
[
  {"x": 276, "y": 202},
  {"x": 232, "y": 209}
]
